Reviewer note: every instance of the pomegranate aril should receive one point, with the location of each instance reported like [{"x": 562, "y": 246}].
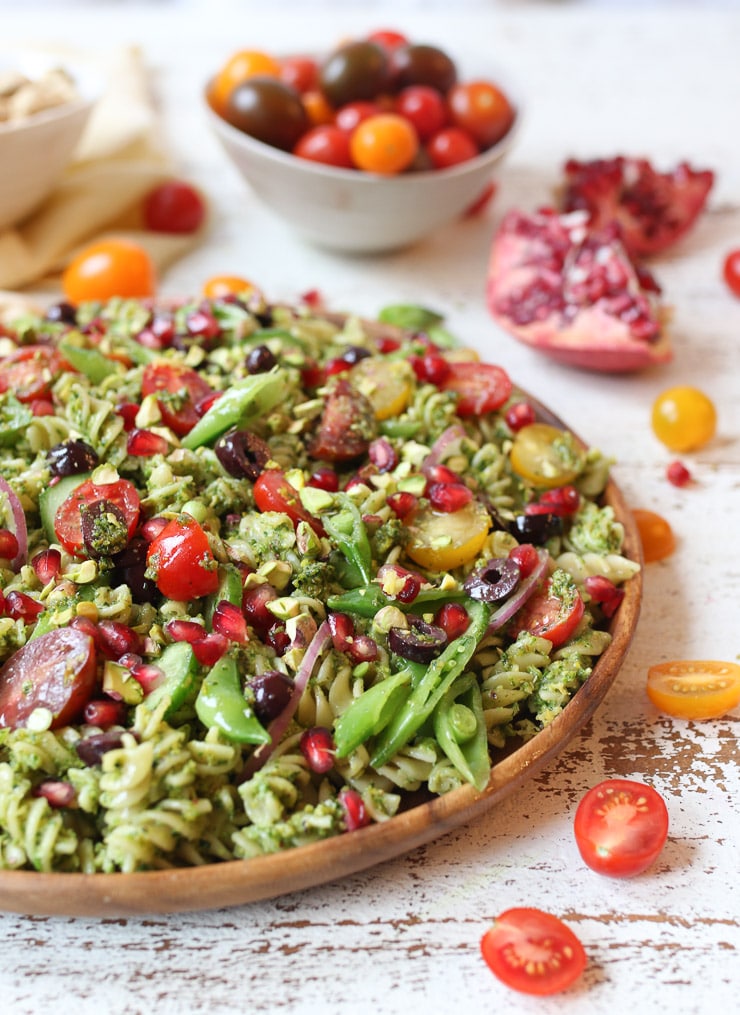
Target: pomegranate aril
[
  {"x": 562, "y": 500},
  {"x": 19, "y": 606},
  {"x": 449, "y": 497},
  {"x": 185, "y": 630},
  {"x": 453, "y": 619},
  {"x": 204, "y": 404},
  {"x": 254, "y": 607},
  {"x": 335, "y": 366},
  {"x": 324, "y": 478},
  {"x": 229, "y": 621},
  {"x": 152, "y": 527},
  {"x": 402, "y": 503},
  {"x": 145, "y": 443},
  {"x": 431, "y": 368},
  {"x": 604, "y": 592},
  {"x": 398, "y": 583},
  {"x": 526, "y": 557},
  {"x": 440, "y": 474},
  {"x": 148, "y": 675},
  {"x": 116, "y": 639},
  {"x": 355, "y": 812},
  {"x": 363, "y": 649},
  {"x": 678, "y": 474},
  {"x": 383, "y": 455},
  {"x": 202, "y": 323},
  {"x": 42, "y": 407},
  {"x": 317, "y": 747},
  {"x": 104, "y": 712},
  {"x": 210, "y": 649},
  {"x": 387, "y": 345},
  {"x": 92, "y": 748},
  {"x": 342, "y": 630},
  {"x": 57, "y": 792},
  {"x": 128, "y": 411},
  {"x": 278, "y": 639},
  {"x": 8, "y": 544},
  {"x": 519, "y": 415},
  {"x": 260, "y": 359}
]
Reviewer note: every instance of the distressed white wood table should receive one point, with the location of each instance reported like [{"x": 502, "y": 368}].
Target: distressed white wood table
[{"x": 404, "y": 937}]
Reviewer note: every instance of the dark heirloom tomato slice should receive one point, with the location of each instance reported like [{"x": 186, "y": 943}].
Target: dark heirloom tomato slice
[
  {"x": 620, "y": 827},
  {"x": 54, "y": 671},
  {"x": 182, "y": 561},
  {"x": 481, "y": 387},
  {"x": 30, "y": 371},
  {"x": 68, "y": 519},
  {"x": 533, "y": 952},
  {"x": 547, "y": 615},
  {"x": 181, "y": 389},
  {"x": 273, "y": 492}
]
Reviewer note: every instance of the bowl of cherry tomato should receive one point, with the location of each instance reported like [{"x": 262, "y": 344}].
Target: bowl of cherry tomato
[{"x": 368, "y": 148}]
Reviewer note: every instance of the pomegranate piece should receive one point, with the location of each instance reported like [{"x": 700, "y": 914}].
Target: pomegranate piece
[
  {"x": 573, "y": 293},
  {"x": 652, "y": 209}
]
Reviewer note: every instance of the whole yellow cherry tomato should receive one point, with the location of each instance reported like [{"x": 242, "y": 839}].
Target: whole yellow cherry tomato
[{"x": 684, "y": 418}]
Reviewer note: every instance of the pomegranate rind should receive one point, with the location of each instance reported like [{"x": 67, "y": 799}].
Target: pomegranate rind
[
  {"x": 537, "y": 290},
  {"x": 652, "y": 209}
]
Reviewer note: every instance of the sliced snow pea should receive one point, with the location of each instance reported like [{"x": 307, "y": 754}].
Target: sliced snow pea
[
  {"x": 411, "y": 317},
  {"x": 369, "y": 599},
  {"x": 181, "y": 670},
  {"x": 90, "y": 362},
  {"x": 244, "y": 401},
  {"x": 371, "y": 712},
  {"x": 460, "y": 730},
  {"x": 14, "y": 420},
  {"x": 222, "y": 704},
  {"x": 402, "y": 428},
  {"x": 348, "y": 531},
  {"x": 439, "y": 677},
  {"x": 230, "y": 588}
]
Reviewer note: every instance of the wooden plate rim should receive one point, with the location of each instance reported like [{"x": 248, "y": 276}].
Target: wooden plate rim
[{"x": 237, "y": 882}]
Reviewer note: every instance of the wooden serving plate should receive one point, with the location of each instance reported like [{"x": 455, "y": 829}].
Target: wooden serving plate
[{"x": 236, "y": 882}]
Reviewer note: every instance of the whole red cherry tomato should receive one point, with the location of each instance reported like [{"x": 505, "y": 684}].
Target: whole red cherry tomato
[
  {"x": 620, "y": 827},
  {"x": 482, "y": 109},
  {"x": 181, "y": 558},
  {"x": 174, "y": 207},
  {"x": 450, "y": 146},
  {"x": 533, "y": 952},
  {"x": 326, "y": 144},
  {"x": 424, "y": 107},
  {"x": 108, "y": 268},
  {"x": 731, "y": 271}
]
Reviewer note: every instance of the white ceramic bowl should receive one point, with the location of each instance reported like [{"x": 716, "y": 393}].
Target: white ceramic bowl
[
  {"x": 35, "y": 151},
  {"x": 356, "y": 212}
]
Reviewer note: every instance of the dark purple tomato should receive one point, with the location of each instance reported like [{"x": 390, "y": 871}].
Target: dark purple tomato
[
  {"x": 421, "y": 64},
  {"x": 353, "y": 72},
  {"x": 268, "y": 110}
]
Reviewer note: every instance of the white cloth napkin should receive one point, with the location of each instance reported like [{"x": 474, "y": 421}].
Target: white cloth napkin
[{"x": 118, "y": 161}]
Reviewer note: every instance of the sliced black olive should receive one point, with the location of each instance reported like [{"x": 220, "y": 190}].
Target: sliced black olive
[
  {"x": 71, "y": 458},
  {"x": 242, "y": 453},
  {"x": 494, "y": 581},
  {"x": 420, "y": 643},
  {"x": 91, "y": 749},
  {"x": 104, "y": 528},
  {"x": 536, "y": 529}
]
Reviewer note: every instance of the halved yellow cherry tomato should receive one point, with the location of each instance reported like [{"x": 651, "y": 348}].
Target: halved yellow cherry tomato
[
  {"x": 545, "y": 456},
  {"x": 219, "y": 286},
  {"x": 694, "y": 688},
  {"x": 656, "y": 535},
  {"x": 441, "y": 541},
  {"x": 387, "y": 384}
]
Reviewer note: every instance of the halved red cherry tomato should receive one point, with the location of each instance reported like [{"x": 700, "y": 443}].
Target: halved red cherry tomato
[
  {"x": 30, "y": 371},
  {"x": 273, "y": 492},
  {"x": 174, "y": 207},
  {"x": 68, "y": 521},
  {"x": 55, "y": 671},
  {"x": 694, "y": 688},
  {"x": 181, "y": 389},
  {"x": 547, "y": 615},
  {"x": 533, "y": 952},
  {"x": 620, "y": 827},
  {"x": 481, "y": 387},
  {"x": 112, "y": 267},
  {"x": 181, "y": 558}
]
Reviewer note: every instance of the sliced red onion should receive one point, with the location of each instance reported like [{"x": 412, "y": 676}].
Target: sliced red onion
[
  {"x": 18, "y": 527},
  {"x": 319, "y": 643},
  {"x": 515, "y": 602},
  {"x": 446, "y": 440}
]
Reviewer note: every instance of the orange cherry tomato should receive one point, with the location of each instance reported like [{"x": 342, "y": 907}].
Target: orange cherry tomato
[
  {"x": 694, "y": 689},
  {"x": 386, "y": 144},
  {"x": 317, "y": 108},
  {"x": 482, "y": 109},
  {"x": 227, "y": 285},
  {"x": 245, "y": 63},
  {"x": 108, "y": 268},
  {"x": 656, "y": 535}
]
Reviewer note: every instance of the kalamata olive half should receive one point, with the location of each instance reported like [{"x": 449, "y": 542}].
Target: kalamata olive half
[
  {"x": 104, "y": 528},
  {"x": 494, "y": 581},
  {"x": 71, "y": 458},
  {"x": 272, "y": 691},
  {"x": 91, "y": 749},
  {"x": 420, "y": 643},
  {"x": 536, "y": 529},
  {"x": 242, "y": 453}
]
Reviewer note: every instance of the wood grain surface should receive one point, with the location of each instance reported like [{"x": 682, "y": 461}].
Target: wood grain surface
[{"x": 403, "y": 937}]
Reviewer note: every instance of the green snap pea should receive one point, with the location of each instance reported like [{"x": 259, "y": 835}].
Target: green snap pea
[
  {"x": 348, "y": 531},
  {"x": 368, "y": 600},
  {"x": 244, "y": 401},
  {"x": 91, "y": 362},
  {"x": 222, "y": 704},
  {"x": 14, "y": 420},
  {"x": 426, "y": 695},
  {"x": 371, "y": 712},
  {"x": 460, "y": 729}
]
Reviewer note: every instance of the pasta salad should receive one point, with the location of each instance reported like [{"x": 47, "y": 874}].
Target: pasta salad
[{"x": 268, "y": 571}]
